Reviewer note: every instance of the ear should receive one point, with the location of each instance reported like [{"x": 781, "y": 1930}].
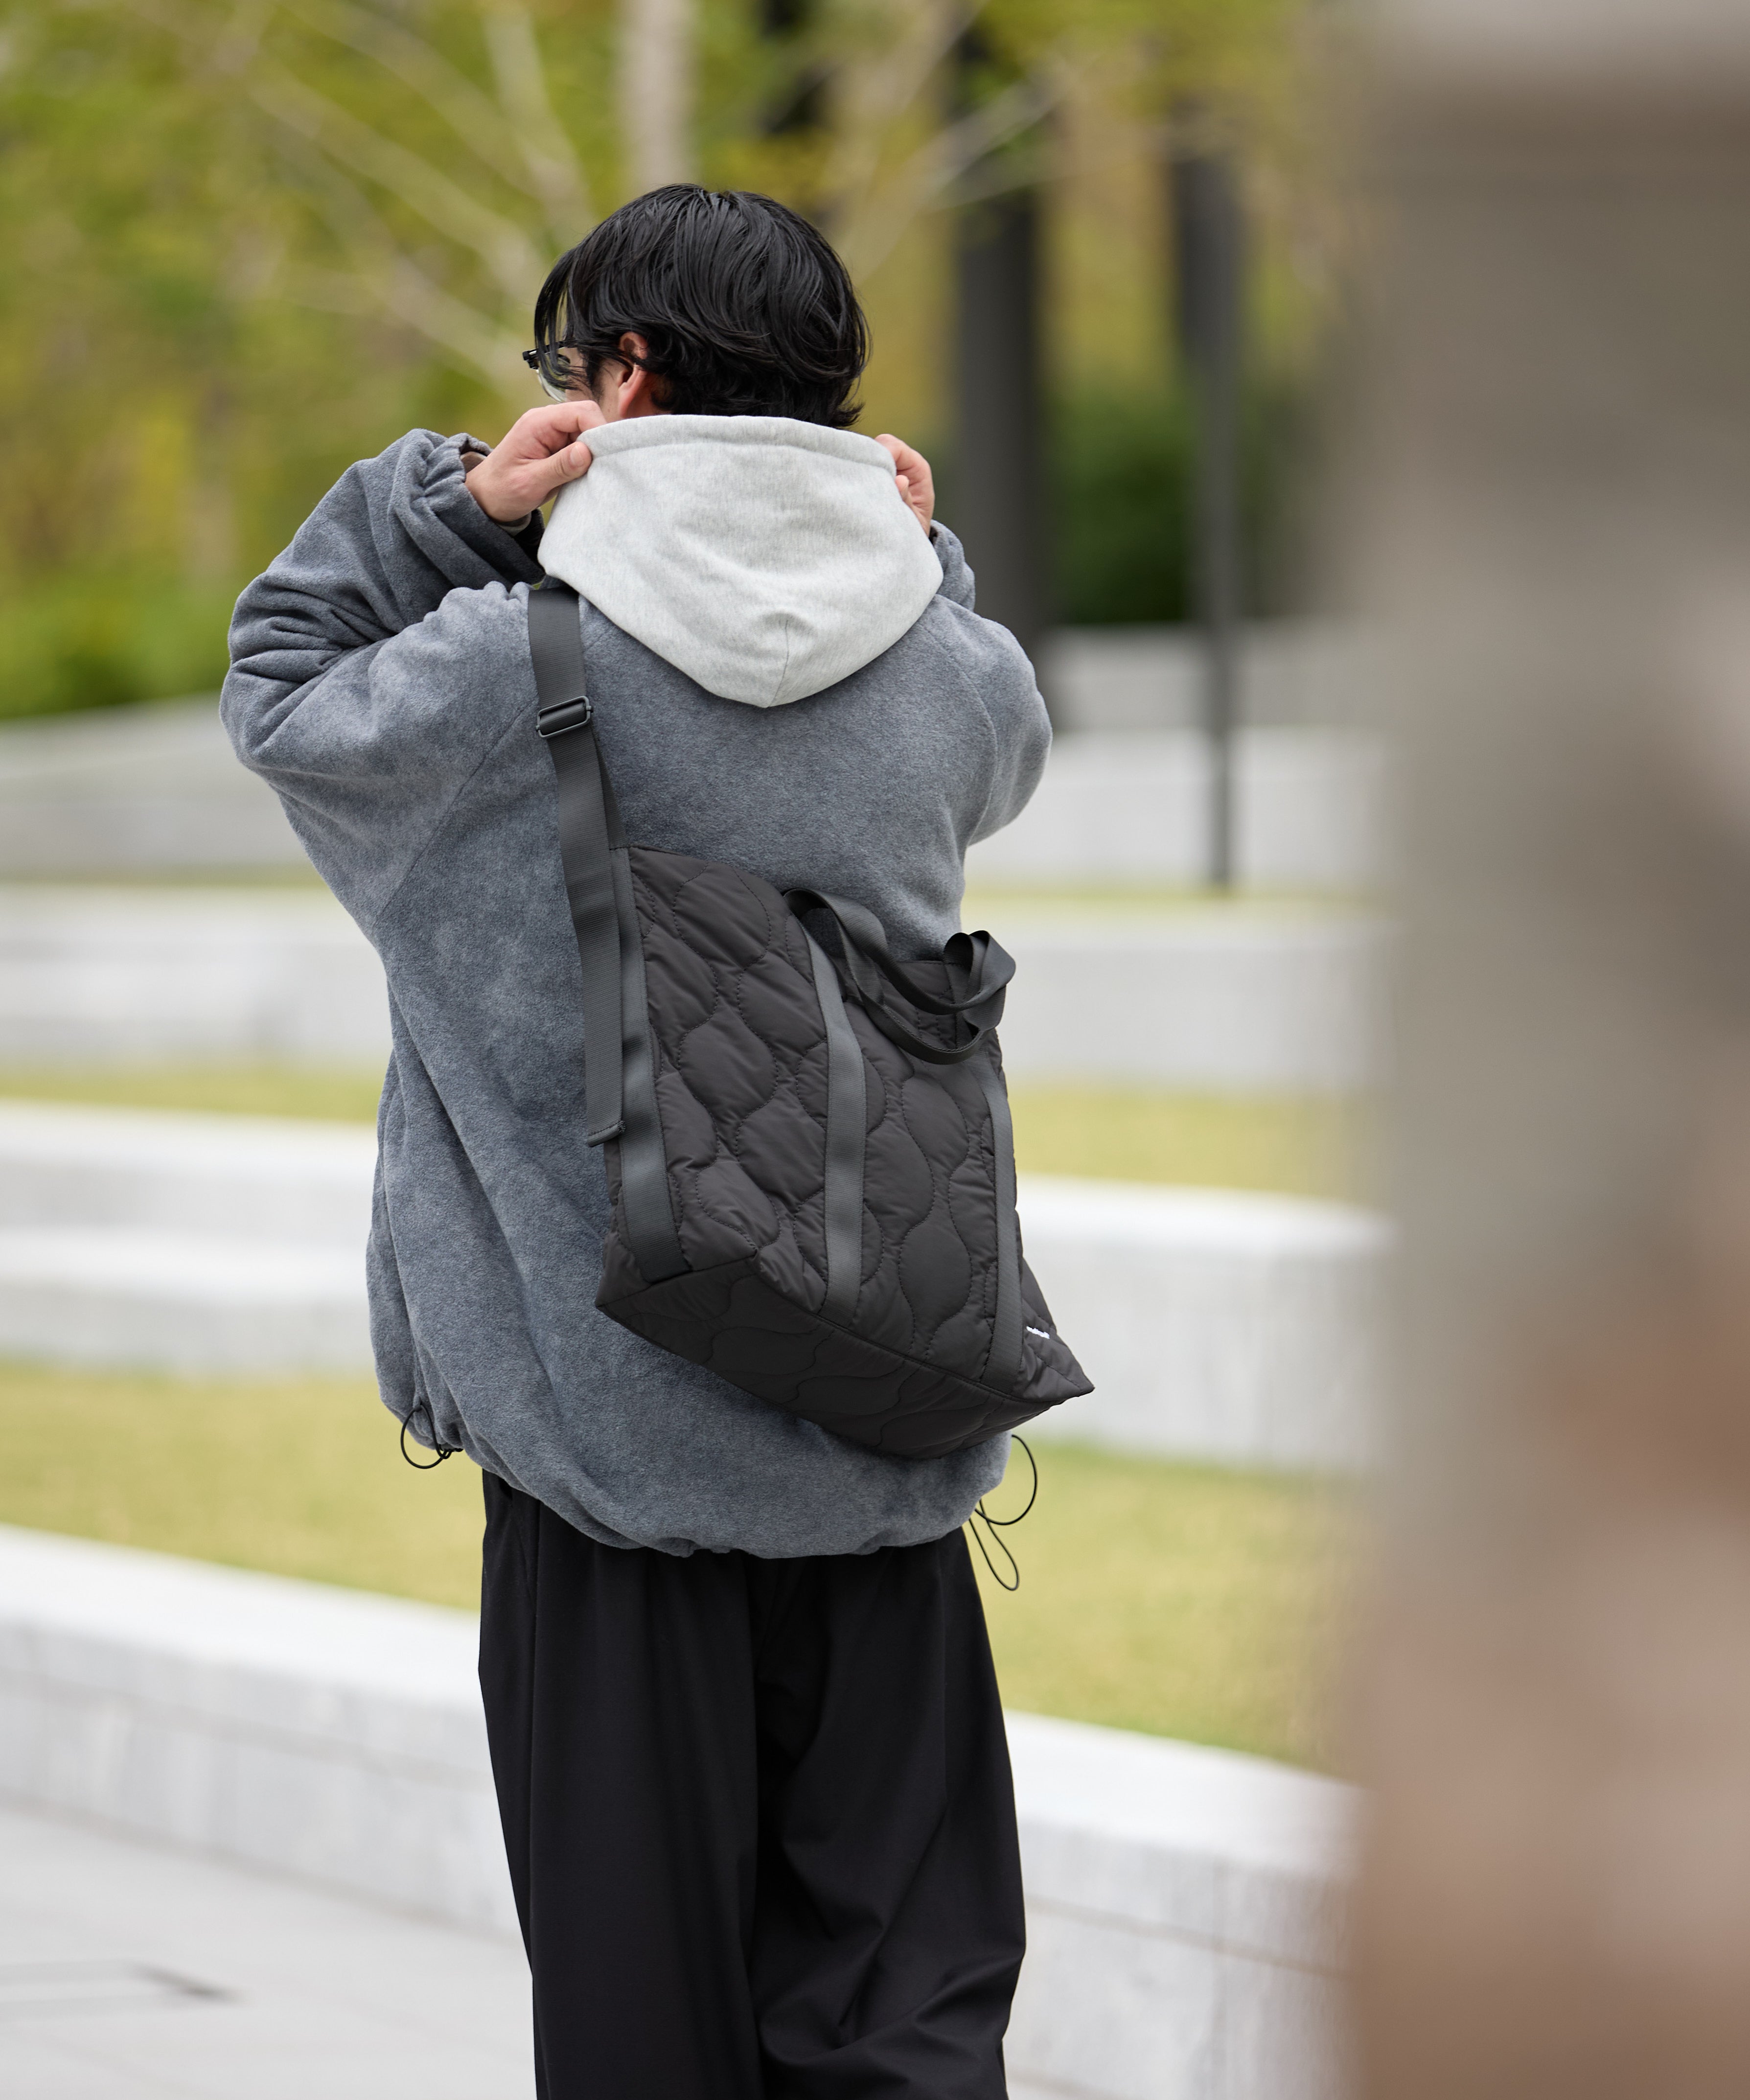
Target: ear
[{"x": 637, "y": 390}]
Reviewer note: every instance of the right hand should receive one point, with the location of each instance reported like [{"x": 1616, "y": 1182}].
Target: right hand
[
  {"x": 911, "y": 471},
  {"x": 542, "y": 451}
]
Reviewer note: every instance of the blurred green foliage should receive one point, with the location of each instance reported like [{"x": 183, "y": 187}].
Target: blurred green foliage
[
  {"x": 246, "y": 247},
  {"x": 1121, "y": 474},
  {"x": 89, "y": 639},
  {"x": 187, "y": 354}
]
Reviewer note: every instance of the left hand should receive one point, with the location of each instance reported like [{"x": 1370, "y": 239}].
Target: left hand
[{"x": 911, "y": 471}]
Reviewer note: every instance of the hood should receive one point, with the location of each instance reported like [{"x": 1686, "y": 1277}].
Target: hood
[{"x": 765, "y": 559}]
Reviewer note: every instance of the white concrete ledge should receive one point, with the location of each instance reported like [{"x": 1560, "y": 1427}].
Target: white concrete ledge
[
  {"x": 182, "y": 1302},
  {"x": 1236, "y": 999},
  {"x": 1186, "y": 1925},
  {"x": 1222, "y": 1000},
  {"x": 316, "y": 1731},
  {"x": 1184, "y": 1904},
  {"x": 246, "y": 1178},
  {"x": 1232, "y": 1327},
  {"x": 1118, "y": 807},
  {"x": 138, "y": 788},
  {"x": 1215, "y": 1324},
  {"x": 1294, "y": 673},
  {"x": 105, "y": 975},
  {"x": 189, "y": 1242},
  {"x": 1124, "y": 798}
]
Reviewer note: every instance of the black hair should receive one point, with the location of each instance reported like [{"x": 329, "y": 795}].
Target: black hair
[{"x": 745, "y": 307}]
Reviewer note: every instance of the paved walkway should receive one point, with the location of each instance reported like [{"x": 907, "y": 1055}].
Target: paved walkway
[{"x": 128, "y": 1972}]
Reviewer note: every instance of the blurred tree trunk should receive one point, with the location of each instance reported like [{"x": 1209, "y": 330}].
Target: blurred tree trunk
[
  {"x": 904, "y": 140},
  {"x": 999, "y": 432},
  {"x": 1557, "y": 1898},
  {"x": 656, "y": 92},
  {"x": 1208, "y": 268}
]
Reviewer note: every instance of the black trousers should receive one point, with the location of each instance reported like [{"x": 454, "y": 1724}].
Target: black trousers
[{"x": 759, "y": 1814}]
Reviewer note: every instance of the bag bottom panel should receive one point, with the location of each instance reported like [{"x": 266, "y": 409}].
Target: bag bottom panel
[{"x": 733, "y": 1322}]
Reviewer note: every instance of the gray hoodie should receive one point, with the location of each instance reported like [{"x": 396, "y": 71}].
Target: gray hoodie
[{"x": 792, "y": 679}]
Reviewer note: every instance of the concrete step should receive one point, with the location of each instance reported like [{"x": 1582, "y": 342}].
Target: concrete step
[
  {"x": 181, "y": 1301},
  {"x": 250, "y": 1179},
  {"x": 134, "y": 789},
  {"x": 1125, "y": 798},
  {"x": 1237, "y": 1328},
  {"x": 1215, "y": 1324},
  {"x": 188, "y": 1242},
  {"x": 1310, "y": 810},
  {"x": 1234, "y": 1001},
  {"x": 140, "y": 975},
  {"x": 1185, "y": 1906},
  {"x": 1293, "y": 674},
  {"x": 1238, "y": 1000}
]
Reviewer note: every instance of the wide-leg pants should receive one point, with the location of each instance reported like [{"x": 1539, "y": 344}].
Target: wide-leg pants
[{"x": 759, "y": 1816}]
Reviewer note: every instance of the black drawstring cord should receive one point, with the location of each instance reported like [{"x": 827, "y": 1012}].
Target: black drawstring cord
[
  {"x": 971, "y": 1525},
  {"x": 996, "y": 1523},
  {"x": 443, "y": 1450}
]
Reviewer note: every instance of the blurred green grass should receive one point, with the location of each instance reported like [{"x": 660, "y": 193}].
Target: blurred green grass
[
  {"x": 328, "y": 1093},
  {"x": 1181, "y": 1600},
  {"x": 1298, "y": 1145},
  {"x": 1304, "y": 1146}
]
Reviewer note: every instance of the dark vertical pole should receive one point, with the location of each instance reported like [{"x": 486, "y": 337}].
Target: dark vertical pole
[
  {"x": 1208, "y": 248},
  {"x": 998, "y": 466}
]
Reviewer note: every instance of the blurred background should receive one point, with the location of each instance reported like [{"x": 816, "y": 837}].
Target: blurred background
[
  {"x": 246, "y": 243},
  {"x": 1107, "y": 251},
  {"x": 1113, "y": 252}
]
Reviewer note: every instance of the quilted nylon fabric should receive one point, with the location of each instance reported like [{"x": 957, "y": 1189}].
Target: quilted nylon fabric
[{"x": 741, "y": 1070}]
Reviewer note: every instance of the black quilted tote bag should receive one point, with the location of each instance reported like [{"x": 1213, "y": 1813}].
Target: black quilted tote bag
[{"x": 807, "y": 1142}]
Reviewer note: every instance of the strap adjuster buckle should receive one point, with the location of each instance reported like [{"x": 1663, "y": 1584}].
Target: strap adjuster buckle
[{"x": 568, "y": 715}]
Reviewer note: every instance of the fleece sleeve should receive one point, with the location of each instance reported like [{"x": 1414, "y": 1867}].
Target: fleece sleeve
[
  {"x": 373, "y": 665},
  {"x": 1020, "y": 728},
  {"x": 995, "y": 668},
  {"x": 957, "y": 583}
]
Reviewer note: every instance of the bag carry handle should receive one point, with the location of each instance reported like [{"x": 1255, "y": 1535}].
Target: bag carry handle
[{"x": 979, "y": 970}]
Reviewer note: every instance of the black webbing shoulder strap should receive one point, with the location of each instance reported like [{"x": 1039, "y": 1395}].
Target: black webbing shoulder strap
[
  {"x": 587, "y": 834},
  {"x": 619, "y": 1075}
]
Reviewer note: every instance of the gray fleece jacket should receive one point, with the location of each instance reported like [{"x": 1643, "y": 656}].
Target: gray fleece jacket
[{"x": 874, "y": 727}]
